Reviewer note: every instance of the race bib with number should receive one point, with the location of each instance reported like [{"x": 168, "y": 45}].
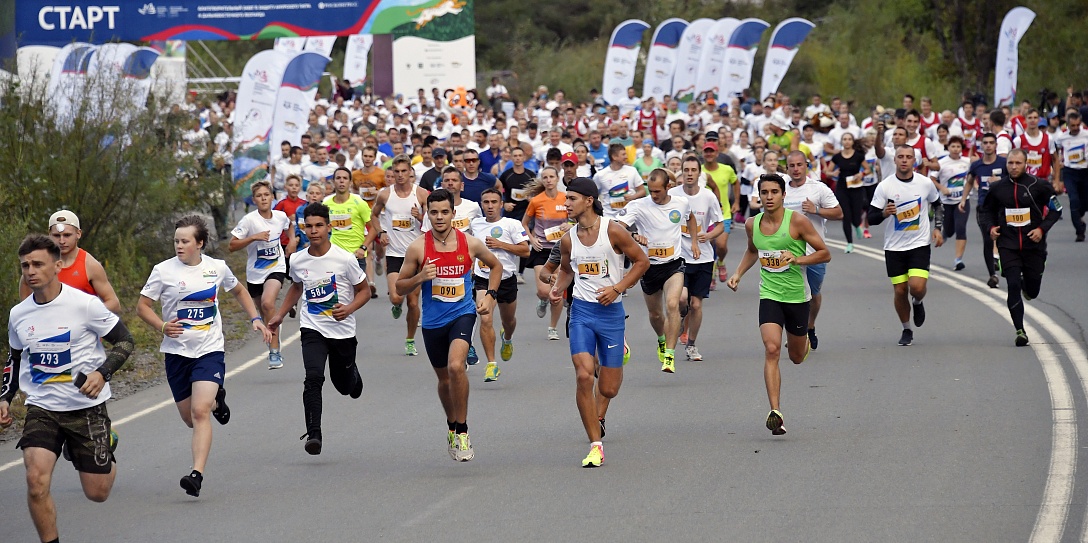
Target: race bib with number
[
  {"x": 461, "y": 224},
  {"x": 340, "y": 221},
  {"x": 483, "y": 266},
  {"x": 684, "y": 229},
  {"x": 554, "y": 233},
  {"x": 518, "y": 195},
  {"x": 268, "y": 253},
  {"x": 1075, "y": 155},
  {"x": 772, "y": 261},
  {"x": 448, "y": 289},
  {"x": 368, "y": 193},
  {"x": 196, "y": 314},
  {"x": 660, "y": 250},
  {"x": 907, "y": 215},
  {"x": 854, "y": 181},
  {"x": 321, "y": 296},
  {"x": 592, "y": 266},
  {"x": 617, "y": 202},
  {"x": 51, "y": 360},
  {"x": 1017, "y": 216},
  {"x": 402, "y": 222},
  {"x": 1035, "y": 158}
]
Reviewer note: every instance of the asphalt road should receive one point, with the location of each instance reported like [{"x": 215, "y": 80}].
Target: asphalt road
[{"x": 961, "y": 437}]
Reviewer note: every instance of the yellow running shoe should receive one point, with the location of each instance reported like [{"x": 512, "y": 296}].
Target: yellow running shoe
[
  {"x": 660, "y": 350},
  {"x": 491, "y": 372},
  {"x": 507, "y": 349},
  {"x": 626, "y": 352},
  {"x": 669, "y": 363},
  {"x": 595, "y": 457}
]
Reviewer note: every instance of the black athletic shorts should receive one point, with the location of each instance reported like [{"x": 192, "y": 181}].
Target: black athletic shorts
[
  {"x": 697, "y": 277},
  {"x": 537, "y": 258},
  {"x": 257, "y": 289},
  {"x": 393, "y": 264},
  {"x": 507, "y": 293},
  {"x": 902, "y": 265},
  {"x": 438, "y": 340},
  {"x": 793, "y": 318},
  {"x": 87, "y": 432},
  {"x": 955, "y": 221},
  {"x": 1030, "y": 261},
  {"x": 654, "y": 279}
]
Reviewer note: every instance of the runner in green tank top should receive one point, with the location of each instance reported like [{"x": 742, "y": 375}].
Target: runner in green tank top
[{"x": 776, "y": 240}]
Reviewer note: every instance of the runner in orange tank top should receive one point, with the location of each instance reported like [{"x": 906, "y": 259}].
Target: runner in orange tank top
[{"x": 80, "y": 270}]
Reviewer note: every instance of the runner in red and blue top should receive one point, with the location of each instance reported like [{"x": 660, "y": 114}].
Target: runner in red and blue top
[{"x": 441, "y": 261}]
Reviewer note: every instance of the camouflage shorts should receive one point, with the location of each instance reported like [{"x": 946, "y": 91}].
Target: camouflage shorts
[{"x": 86, "y": 431}]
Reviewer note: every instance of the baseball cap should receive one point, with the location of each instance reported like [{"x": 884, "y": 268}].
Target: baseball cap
[
  {"x": 572, "y": 158},
  {"x": 710, "y": 145},
  {"x": 712, "y": 135},
  {"x": 583, "y": 186},
  {"x": 62, "y": 218},
  {"x": 438, "y": 151}
]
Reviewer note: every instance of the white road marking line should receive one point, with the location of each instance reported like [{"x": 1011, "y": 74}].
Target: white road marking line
[
  {"x": 1057, "y": 495},
  {"x": 249, "y": 364}
]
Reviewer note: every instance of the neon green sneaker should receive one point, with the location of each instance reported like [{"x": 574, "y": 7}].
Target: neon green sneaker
[
  {"x": 462, "y": 449},
  {"x": 451, "y": 444},
  {"x": 491, "y": 372},
  {"x": 668, "y": 365},
  {"x": 507, "y": 349},
  {"x": 410, "y": 348},
  {"x": 626, "y": 352},
  {"x": 595, "y": 457},
  {"x": 660, "y": 350}
]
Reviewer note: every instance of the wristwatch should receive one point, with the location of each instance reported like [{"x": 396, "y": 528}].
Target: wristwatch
[{"x": 493, "y": 293}]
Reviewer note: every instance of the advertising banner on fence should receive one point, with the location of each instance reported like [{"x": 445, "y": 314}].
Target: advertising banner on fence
[
  {"x": 785, "y": 41},
  {"x": 661, "y": 58},
  {"x": 142, "y": 20},
  {"x": 688, "y": 57},
  {"x": 621, "y": 59},
  {"x": 1014, "y": 26},
  {"x": 256, "y": 101},
  {"x": 434, "y": 44},
  {"x": 740, "y": 56},
  {"x": 710, "y": 68}
]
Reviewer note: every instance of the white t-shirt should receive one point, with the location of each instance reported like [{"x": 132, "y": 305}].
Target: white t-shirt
[
  {"x": 284, "y": 169},
  {"x": 506, "y": 230},
  {"x": 326, "y": 281},
  {"x": 316, "y": 172},
  {"x": 817, "y": 193},
  {"x": 1074, "y": 149},
  {"x": 191, "y": 294},
  {"x": 463, "y": 213},
  {"x": 834, "y": 137},
  {"x": 910, "y": 227},
  {"x": 1004, "y": 143},
  {"x": 708, "y": 213},
  {"x": 58, "y": 339},
  {"x": 613, "y": 185},
  {"x": 263, "y": 258},
  {"x": 952, "y": 174},
  {"x": 660, "y": 224}
]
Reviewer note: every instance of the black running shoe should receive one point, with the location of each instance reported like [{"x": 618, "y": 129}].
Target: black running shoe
[
  {"x": 601, "y": 420},
  {"x": 191, "y": 483},
  {"x": 221, "y": 411},
  {"x": 993, "y": 281},
  {"x": 357, "y": 390},
  {"x": 919, "y": 314},
  {"x": 813, "y": 341},
  {"x": 313, "y": 442},
  {"x": 1021, "y": 338},
  {"x": 907, "y": 338}
]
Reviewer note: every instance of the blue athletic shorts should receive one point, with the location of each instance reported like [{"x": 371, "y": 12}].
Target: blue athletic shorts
[
  {"x": 815, "y": 273},
  {"x": 728, "y": 225},
  {"x": 597, "y": 329},
  {"x": 182, "y": 372}
]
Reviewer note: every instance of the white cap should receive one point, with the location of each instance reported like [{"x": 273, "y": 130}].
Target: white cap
[{"x": 63, "y": 218}]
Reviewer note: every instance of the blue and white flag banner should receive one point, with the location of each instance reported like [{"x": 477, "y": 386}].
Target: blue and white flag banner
[
  {"x": 785, "y": 41},
  {"x": 296, "y": 97},
  {"x": 1013, "y": 27},
  {"x": 661, "y": 58},
  {"x": 688, "y": 57},
  {"x": 740, "y": 55},
  {"x": 710, "y": 74},
  {"x": 621, "y": 59},
  {"x": 256, "y": 100}
]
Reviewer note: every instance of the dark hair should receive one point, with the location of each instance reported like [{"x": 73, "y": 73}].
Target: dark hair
[
  {"x": 440, "y": 195},
  {"x": 341, "y": 168},
  {"x": 616, "y": 148},
  {"x": 295, "y": 149},
  {"x": 200, "y": 228},
  {"x": 285, "y": 142},
  {"x": 997, "y": 118},
  {"x": 913, "y": 113},
  {"x": 553, "y": 154},
  {"x": 956, "y": 139},
  {"x": 491, "y": 190},
  {"x": 317, "y": 209},
  {"x": 773, "y": 178},
  {"x": 34, "y": 242},
  {"x": 451, "y": 169},
  {"x": 987, "y": 135}
]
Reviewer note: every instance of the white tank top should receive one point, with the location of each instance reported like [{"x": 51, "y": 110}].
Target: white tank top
[
  {"x": 398, "y": 223},
  {"x": 596, "y": 266}
]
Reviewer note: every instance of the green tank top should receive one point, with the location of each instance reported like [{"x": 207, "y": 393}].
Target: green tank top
[{"x": 779, "y": 282}]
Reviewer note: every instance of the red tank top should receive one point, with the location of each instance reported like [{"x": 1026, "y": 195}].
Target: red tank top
[
  {"x": 920, "y": 145},
  {"x": 923, "y": 124},
  {"x": 648, "y": 122},
  {"x": 75, "y": 275},
  {"x": 1038, "y": 155}
]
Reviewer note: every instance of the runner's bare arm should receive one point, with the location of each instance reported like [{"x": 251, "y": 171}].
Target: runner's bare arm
[
  {"x": 623, "y": 243},
  {"x": 410, "y": 276},
  {"x": 804, "y": 230},
  {"x": 747, "y": 260},
  {"x": 289, "y": 301},
  {"x": 96, "y": 274}
]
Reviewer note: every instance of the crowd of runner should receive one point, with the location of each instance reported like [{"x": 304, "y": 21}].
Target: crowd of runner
[{"x": 454, "y": 201}]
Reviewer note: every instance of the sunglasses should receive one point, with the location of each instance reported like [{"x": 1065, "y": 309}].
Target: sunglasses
[{"x": 472, "y": 160}]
